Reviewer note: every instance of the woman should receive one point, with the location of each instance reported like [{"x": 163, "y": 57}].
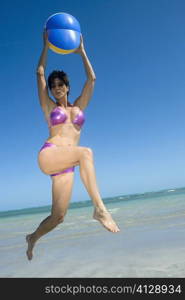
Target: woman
[{"x": 61, "y": 153}]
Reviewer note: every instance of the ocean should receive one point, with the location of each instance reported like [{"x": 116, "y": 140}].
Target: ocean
[{"x": 151, "y": 242}]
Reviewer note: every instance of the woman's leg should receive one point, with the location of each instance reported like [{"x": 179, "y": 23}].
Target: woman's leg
[
  {"x": 61, "y": 157},
  {"x": 87, "y": 173},
  {"x": 61, "y": 194}
]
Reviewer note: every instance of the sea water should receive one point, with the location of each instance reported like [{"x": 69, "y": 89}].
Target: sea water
[{"x": 151, "y": 242}]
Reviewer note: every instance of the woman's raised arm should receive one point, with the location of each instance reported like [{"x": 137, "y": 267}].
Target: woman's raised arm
[
  {"x": 45, "y": 100},
  {"x": 83, "y": 100}
]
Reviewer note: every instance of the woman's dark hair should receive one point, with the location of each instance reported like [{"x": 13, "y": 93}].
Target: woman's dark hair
[{"x": 60, "y": 75}]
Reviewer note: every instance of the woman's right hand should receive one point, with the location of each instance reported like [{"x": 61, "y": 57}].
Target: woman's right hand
[{"x": 45, "y": 38}]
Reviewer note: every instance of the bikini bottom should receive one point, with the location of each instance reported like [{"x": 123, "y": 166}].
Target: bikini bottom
[{"x": 47, "y": 144}]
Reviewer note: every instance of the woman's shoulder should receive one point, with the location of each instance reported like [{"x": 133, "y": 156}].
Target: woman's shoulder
[
  {"x": 77, "y": 107},
  {"x": 50, "y": 108}
]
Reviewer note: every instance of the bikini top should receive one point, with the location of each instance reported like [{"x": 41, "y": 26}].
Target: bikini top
[{"x": 58, "y": 116}]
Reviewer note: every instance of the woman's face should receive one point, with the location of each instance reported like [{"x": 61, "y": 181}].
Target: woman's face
[{"x": 58, "y": 89}]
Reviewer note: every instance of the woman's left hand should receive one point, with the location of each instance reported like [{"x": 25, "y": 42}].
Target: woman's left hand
[{"x": 81, "y": 48}]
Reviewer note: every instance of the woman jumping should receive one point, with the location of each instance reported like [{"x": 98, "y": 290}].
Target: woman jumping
[{"x": 60, "y": 153}]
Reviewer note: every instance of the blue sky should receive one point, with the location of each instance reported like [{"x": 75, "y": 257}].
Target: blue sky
[{"x": 135, "y": 120}]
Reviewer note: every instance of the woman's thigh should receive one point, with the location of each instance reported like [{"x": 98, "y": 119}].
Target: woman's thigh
[
  {"x": 58, "y": 158},
  {"x": 61, "y": 193}
]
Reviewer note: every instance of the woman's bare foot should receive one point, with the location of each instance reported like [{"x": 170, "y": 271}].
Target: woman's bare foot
[
  {"x": 105, "y": 219},
  {"x": 31, "y": 244}
]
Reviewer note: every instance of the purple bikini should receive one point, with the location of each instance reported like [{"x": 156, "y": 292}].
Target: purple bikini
[{"x": 58, "y": 116}]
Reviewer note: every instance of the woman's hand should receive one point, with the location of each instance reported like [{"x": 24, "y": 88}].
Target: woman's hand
[{"x": 81, "y": 48}]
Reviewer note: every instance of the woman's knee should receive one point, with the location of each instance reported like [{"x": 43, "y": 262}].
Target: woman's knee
[
  {"x": 87, "y": 153},
  {"x": 58, "y": 218}
]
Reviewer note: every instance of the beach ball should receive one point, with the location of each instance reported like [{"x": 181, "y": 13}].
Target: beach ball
[{"x": 63, "y": 33}]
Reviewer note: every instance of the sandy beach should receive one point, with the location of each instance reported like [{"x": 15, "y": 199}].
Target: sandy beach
[{"x": 150, "y": 243}]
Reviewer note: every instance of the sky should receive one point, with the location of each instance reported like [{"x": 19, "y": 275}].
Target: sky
[{"x": 135, "y": 119}]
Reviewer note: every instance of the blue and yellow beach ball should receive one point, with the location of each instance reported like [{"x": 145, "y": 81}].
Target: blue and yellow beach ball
[{"x": 63, "y": 33}]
